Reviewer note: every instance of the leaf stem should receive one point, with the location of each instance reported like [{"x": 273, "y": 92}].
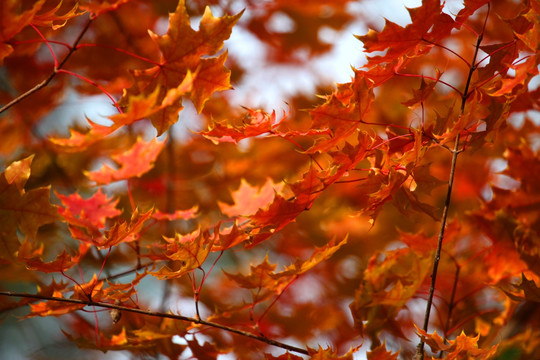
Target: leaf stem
[{"x": 161, "y": 315}]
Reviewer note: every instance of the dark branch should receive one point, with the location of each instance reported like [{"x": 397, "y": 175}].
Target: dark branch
[{"x": 161, "y": 315}]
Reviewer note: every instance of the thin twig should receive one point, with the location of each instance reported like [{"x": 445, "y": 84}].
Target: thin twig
[
  {"x": 53, "y": 74},
  {"x": 455, "y": 152},
  {"x": 161, "y": 315},
  {"x": 451, "y": 305}
]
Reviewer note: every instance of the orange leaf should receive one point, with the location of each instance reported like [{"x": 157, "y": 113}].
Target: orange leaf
[
  {"x": 32, "y": 258},
  {"x": 190, "y": 251},
  {"x": 50, "y": 18},
  {"x": 102, "y": 6},
  {"x": 22, "y": 210},
  {"x": 259, "y": 276},
  {"x": 380, "y": 353},
  {"x": 18, "y": 172},
  {"x": 249, "y": 199},
  {"x": 124, "y": 231},
  {"x": 135, "y": 162},
  {"x": 319, "y": 255},
  {"x": 91, "y": 212},
  {"x": 428, "y": 22},
  {"x": 177, "y": 215},
  {"x": 463, "y": 347},
  {"x": 13, "y": 21},
  {"x": 79, "y": 141},
  {"x": 329, "y": 354},
  {"x": 184, "y": 49}
]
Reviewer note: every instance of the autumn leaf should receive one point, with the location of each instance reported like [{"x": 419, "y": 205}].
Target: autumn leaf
[
  {"x": 177, "y": 215},
  {"x": 526, "y": 290},
  {"x": 146, "y": 105},
  {"x": 450, "y": 95},
  {"x": 249, "y": 199},
  {"x": 342, "y": 112},
  {"x": 189, "y": 251},
  {"x": 53, "y": 308},
  {"x": 79, "y": 141},
  {"x": 423, "y": 92},
  {"x": 462, "y": 346},
  {"x": 32, "y": 257},
  {"x": 429, "y": 25},
  {"x": 254, "y": 123},
  {"x": 228, "y": 237},
  {"x": 90, "y": 212},
  {"x": 185, "y": 50},
  {"x": 134, "y": 162},
  {"x": 50, "y": 18},
  {"x": 380, "y": 353},
  {"x": 18, "y": 173},
  {"x": 328, "y": 354},
  {"x": 124, "y": 231},
  {"x": 22, "y": 210},
  {"x": 12, "y": 22},
  {"x": 259, "y": 276},
  {"x": 285, "y": 356},
  {"x": 102, "y": 6},
  {"x": 319, "y": 255},
  {"x": 389, "y": 283}
]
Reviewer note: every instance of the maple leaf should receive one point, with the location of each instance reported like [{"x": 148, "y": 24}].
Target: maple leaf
[
  {"x": 184, "y": 49},
  {"x": 50, "y": 18},
  {"x": 90, "y": 212},
  {"x": 281, "y": 211},
  {"x": 18, "y": 173},
  {"x": 189, "y": 251},
  {"x": 463, "y": 346},
  {"x": 177, "y": 215},
  {"x": 124, "y": 231},
  {"x": 117, "y": 292},
  {"x": 329, "y": 354},
  {"x": 531, "y": 292},
  {"x": 255, "y": 123},
  {"x": 319, "y": 255},
  {"x": 115, "y": 342},
  {"x": 249, "y": 199},
  {"x": 380, "y": 353},
  {"x": 526, "y": 27},
  {"x": 22, "y": 210},
  {"x": 207, "y": 351},
  {"x": 428, "y": 23},
  {"x": 119, "y": 232},
  {"x": 12, "y": 22},
  {"x": 32, "y": 257},
  {"x": 228, "y": 237},
  {"x": 134, "y": 162},
  {"x": 342, "y": 112},
  {"x": 388, "y": 284},
  {"x": 421, "y": 243},
  {"x": 423, "y": 92},
  {"x": 79, "y": 141},
  {"x": 102, "y": 6},
  {"x": 146, "y": 105},
  {"x": 53, "y": 308},
  {"x": 285, "y": 356},
  {"x": 524, "y": 71},
  {"x": 260, "y": 280}
]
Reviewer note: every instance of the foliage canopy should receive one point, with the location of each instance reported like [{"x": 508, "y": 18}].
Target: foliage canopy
[{"x": 401, "y": 207}]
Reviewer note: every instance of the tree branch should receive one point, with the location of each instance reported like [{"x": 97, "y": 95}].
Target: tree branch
[
  {"x": 455, "y": 152},
  {"x": 162, "y": 315},
  {"x": 53, "y": 74}
]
